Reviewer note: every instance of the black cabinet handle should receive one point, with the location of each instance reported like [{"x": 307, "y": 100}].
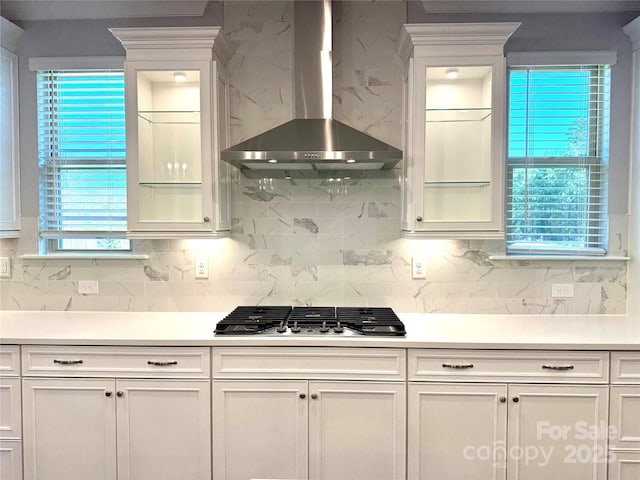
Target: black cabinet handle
[
  {"x": 503, "y": 399},
  {"x": 459, "y": 366},
  {"x": 108, "y": 393},
  {"x": 557, "y": 367},
  {"x": 302, "y": 395},
  {"x": 162, "y": 364},
  {"x": 516, "y": 399},
  {"x": 314, "y": 396},
  {"x": 119, "y": 393},
  {"x": 67, "y": 362}
]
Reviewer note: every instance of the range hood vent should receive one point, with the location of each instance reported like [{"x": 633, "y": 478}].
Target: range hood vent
[{"x": 313, "y": 144}]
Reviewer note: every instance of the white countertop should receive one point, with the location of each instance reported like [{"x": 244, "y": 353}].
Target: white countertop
[{"x": 572, "y": 332}]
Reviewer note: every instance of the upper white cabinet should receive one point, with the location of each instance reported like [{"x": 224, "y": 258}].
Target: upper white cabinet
[
  {"x": 177, "y": 100},
  {"x": 453, "y": 171},
  {"x": 9, "y": 139}
]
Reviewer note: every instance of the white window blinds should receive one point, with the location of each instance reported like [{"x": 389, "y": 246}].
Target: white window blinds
[
  {"x": 558, "y": 150},
  {"x": 82, "y": 155}
]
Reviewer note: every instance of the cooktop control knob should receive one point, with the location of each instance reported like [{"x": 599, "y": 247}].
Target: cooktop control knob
[
  {"x": 324, "y": 328},
  {"x": 295, "y": 328},
  {"x": 281, "y": 328},
  {"x": 338, "y": 328}
]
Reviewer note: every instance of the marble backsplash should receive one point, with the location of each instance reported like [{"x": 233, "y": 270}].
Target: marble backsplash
[{"x": 312, "y": 242}]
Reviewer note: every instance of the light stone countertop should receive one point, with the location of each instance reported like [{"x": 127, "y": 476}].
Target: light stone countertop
[{"x": 563, "y": 332}]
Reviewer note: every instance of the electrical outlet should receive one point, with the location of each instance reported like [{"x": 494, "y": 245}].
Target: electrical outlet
[
  {"x": 562, "y": 290},
  {"x": 418, "y": 270},
  {"x": 202, "y": 266},
  {"x": 5, "y": 267},
  {"x": 88, "y": 287}
]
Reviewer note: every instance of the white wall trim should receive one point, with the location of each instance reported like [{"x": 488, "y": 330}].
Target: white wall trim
[
  {"x": 74, "y": 63},
  {"x": 605, "y": 57},
  {"x": 9, "y": 34},
  {"x": 632, "y": 29}
]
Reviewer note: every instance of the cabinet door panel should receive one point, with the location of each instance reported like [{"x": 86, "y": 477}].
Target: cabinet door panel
[
  {"x": 625, "y": 466},
  {"x": 10, "y": 460},
  {"x": 163, "y": 430},
  {"x": 457, "y": 432},
  {"x": 625, "y": 417},
  {"x": 557, "y": 432},
  {"x": 10, "y": 424},
  {"x": 357, "y": 430},
  {"x": 260, "y": 430},
  {"x": 69, "y": 429}
]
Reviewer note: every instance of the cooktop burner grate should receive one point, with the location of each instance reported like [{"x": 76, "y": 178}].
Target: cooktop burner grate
[
  {"x": 371, "y": 321},
  {"x": 252, "y": 320}
]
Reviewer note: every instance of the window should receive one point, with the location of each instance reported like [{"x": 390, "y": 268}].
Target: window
[
  {"x": 82, "y": 159},
  {"x": 557, "y": 157}
]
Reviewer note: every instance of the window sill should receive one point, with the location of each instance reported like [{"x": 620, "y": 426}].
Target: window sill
[
  {"x": 85, "y": 256},
  {"x": 565, "y": 258}
]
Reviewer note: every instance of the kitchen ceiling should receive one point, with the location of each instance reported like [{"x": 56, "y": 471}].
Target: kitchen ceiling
[
  {"x": 97, "y": 9},
  {"x": 529, "y": 6}
]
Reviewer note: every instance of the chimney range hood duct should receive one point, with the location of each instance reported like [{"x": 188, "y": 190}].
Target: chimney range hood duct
[{"x": 313, "y": 144}]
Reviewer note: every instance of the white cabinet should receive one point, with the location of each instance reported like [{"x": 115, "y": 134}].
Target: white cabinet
[
  {"x": 177, "y": 99},
  {"x": 276, "y": 415},
  {"x": 455, "y": 429},
  {"x": 624, "y": 417},
  {"x": 308, "y": 429},
  {"x": 10, "y": 414},
  {"x": 9, "y": 138},
  {"x": 557, "y": 432},
  {"x": 116, "y": 428},
  {"x": 69, "y": 429},
  {"x": 462, "y": 424},
  {"x": 454, "y": 104}
]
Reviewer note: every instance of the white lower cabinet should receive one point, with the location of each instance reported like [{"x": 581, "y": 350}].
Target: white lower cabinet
[
  {"x": 624, "y": 417},
  {"x": 69, "y": 429},
  {"x": 557, "y": 432},
  {"x": 316, "y": 430},
  {"x": 101, "y": 429},
  {"x": 455, "y": 430},
  {"x": 116, "y": 428},
  {"x": 479, "y": 430},
  {"x": 10, "y": 414},
  {"x": 310, "y": 427}
]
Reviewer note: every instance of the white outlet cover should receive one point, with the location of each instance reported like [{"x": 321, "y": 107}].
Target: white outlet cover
[
  {"x": 418, "y": 270},
  {"x": 5, "y": 267},
  {"x": 202, "y": 266}
]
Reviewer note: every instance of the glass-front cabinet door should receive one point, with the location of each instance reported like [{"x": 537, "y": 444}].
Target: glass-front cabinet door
[
  {"x": 170, "y": 184},
  {"x": 453, "y": 168},
  {"x": 177, "y": 107}
]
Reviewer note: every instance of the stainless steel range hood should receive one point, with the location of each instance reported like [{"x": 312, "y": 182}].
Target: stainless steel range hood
[{"x": 313, "y": 144}]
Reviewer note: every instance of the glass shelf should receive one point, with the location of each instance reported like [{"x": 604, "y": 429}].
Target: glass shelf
[
  {"x": 189, "y": 117},
  {"x": 171, "y": 184},
  {"x": 478, "y": 183},
  {"x": 443, "y": 115}
]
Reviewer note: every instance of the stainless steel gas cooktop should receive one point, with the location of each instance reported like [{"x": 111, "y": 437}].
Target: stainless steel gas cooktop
[{"x": 331, "y": 321}]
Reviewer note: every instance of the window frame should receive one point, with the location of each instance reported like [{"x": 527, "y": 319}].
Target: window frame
[{"x": 596, "y": 164}]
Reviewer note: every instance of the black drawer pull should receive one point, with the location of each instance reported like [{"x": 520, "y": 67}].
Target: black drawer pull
[
  {"x": 557, "y": 367},
  {"x": 161, "y": 364},
  {"x": 461, "y": 366},
  {"x": 67, "y": 362}
]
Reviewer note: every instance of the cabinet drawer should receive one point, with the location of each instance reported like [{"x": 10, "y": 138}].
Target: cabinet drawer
[
  {"x": 9, "y": 360},
  {"x": 625, "y": 367},
  {"x": 509, "y": 366},
  {"x": 183, "y": 362},
  {"x": 310, "y": 363}
]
